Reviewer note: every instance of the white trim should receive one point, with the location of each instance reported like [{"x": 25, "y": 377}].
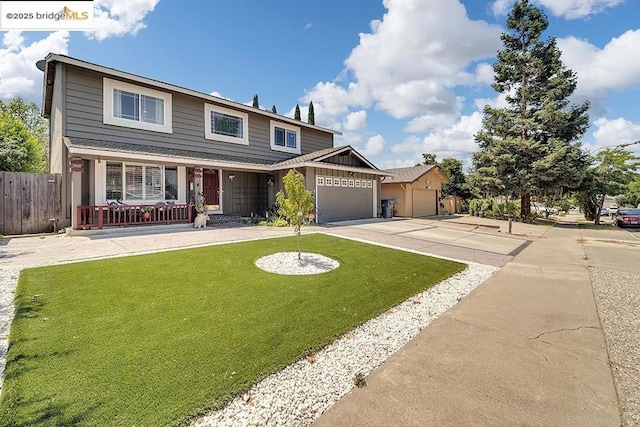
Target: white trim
[
  {"x": 209, "y": 108},
  {"x": 285, "y": 126},
  {"x": 352, "y": 151},
  {"x": 109, "y": 85}
]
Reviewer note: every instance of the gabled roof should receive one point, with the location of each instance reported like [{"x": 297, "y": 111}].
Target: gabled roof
[
  {"x": 49, "y": 73},
  {"x": 320, "y": 155},
  {"x": 412, "y": 174}
]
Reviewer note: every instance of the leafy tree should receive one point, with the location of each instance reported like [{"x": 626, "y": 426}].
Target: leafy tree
[
  {"x": 614, "y": 170},
  {"x": 458, "y": 186},
  {"x": 532, "y": 145},
  {"x": 255, "y": 101},
  {"x": 28, "y": 113},
  {"x": 429, "y": 159},
  {"x": 311, "y": 115},
  {"x": 296, "y": 203},
  {"x": 19, "y": 149},
  {"x": 274, "y": 110},
  {"x": 296, "y": 113},
  {"x": 631, "y": 194}
]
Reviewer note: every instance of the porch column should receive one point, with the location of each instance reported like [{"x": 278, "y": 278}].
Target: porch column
[{"x": 76, "y": 168}]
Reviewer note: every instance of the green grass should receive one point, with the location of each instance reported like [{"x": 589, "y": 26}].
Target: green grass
[{"x": 159, "y": 339}]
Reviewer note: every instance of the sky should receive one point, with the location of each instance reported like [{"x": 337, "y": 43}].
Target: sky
[{"x": 398, "y": 78}]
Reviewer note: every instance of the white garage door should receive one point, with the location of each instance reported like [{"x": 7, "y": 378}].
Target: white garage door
[{"x": 340, "y": 199}]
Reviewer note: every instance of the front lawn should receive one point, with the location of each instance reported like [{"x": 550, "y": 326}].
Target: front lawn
[{"x": 159, "y": 339}]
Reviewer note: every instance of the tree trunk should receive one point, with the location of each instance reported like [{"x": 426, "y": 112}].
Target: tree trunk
[
  {"x": 599, "y": 210},
  {"x": 525, "y": 205}
]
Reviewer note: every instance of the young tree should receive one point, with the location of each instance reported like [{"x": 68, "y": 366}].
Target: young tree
[
  {"x": 255, "y": 101},
  {"x": 274, "y": 110},
  {"x": 296, "y": 203},
  {"x": 532, "y": 145},
  {"x": 311, "y": 115},
  {"x": 296, "y": 113}
]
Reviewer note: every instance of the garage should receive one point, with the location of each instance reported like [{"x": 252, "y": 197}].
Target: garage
[
  {"x": 416, "y": 190},
  {"x": 344, "y": 198},
  {"x": 424, "y": 202}
]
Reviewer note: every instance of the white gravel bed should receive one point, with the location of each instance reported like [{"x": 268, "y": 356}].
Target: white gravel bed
[
  {"x": 8, "y": 282},
  {"x": 288, "y": 263},
  {"x": 617, "y": 295},
  {"x": 301, "y": 392}
]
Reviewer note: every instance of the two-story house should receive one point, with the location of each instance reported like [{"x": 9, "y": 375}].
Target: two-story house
[{"x": 123, "y": 142}]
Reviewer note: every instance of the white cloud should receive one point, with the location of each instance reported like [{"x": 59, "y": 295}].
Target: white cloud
[
  {"x": 410, "y": 61},
  {"x": 374, "y": 146},
  {"x": 615, "y": 132},
  {"x": 18, "y": 73},
  {"x": 417, "y": 52},
  {"x": 355, "y": 121},
  {"x": 615, "y": 66},
  {"x": 308, "y": 26},
  {"x": 430, "y": 122},
  {"x": 456, "y": 140},
  {"x": 569, "y": 9},
  {"x": 484, "y": 73},
  {"x": 119, "y": 17},
  {"x": 500, "y": 101}
]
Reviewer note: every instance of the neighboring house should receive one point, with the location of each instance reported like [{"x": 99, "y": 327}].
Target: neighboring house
[
  {"x": 118, "y": 136},
  {"x": 416, "y": 190}
]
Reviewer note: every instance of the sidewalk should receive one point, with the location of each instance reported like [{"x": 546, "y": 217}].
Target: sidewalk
[{"x": 526, "y": 347}]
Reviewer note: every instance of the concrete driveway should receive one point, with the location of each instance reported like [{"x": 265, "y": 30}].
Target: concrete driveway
[{"x": 485, "y": 241}]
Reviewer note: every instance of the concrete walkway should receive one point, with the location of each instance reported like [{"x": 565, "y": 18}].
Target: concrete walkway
[{"x": 525, "y": 348}]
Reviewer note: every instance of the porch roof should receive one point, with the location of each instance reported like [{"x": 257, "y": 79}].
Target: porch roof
[
  {"x": 96, "y": 148},
  {"x": 119, "y": 150}
]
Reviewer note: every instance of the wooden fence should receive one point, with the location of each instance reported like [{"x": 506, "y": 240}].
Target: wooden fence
[{"x": 29, "y": 202}]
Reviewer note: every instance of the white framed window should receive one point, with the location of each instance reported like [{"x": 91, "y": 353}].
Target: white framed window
[
  {"x": 352, "y": 183},
  {"x": 320, "y": 181},
  {"x": 141, "y": 182},
  {"x": 336, "y": 182},
  {"x": 137, "y": 107},
  {"x": 224, "y": 124},
  {"x": 285, "y": 137}
]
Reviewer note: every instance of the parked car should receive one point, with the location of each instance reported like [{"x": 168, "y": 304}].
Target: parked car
[
  {"x": 628, "y": 217},
  {"x": 613, "y": 209},
  {"x": 604, "y": 212}
]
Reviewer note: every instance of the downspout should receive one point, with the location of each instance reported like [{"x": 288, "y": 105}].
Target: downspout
[{"x": 405, "y": 197}]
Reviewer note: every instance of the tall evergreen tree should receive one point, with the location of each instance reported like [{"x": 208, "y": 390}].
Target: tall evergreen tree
[
  {"x": 531, "y": 146},
  {"x": 274, "y": 110},
  {"x": 311, "y": 115},
  {"x": 296, "y": 113},
  {"x": 255, "y": 101}
]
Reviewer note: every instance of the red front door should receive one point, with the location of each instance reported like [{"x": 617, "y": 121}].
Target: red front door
[{"x": 211, "y": 187}]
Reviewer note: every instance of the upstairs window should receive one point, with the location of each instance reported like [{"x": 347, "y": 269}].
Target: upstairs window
[
  {"x": 136, "y": 107},
  {"x": 285, "y": 138},
  {"x": 223, "y": 124}
]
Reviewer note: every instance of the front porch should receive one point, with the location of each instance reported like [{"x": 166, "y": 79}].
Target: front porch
[{"x": 124, "y": 215}]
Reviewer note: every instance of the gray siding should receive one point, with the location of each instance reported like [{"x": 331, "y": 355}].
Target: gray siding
[{"x": 83, "y": 118}]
